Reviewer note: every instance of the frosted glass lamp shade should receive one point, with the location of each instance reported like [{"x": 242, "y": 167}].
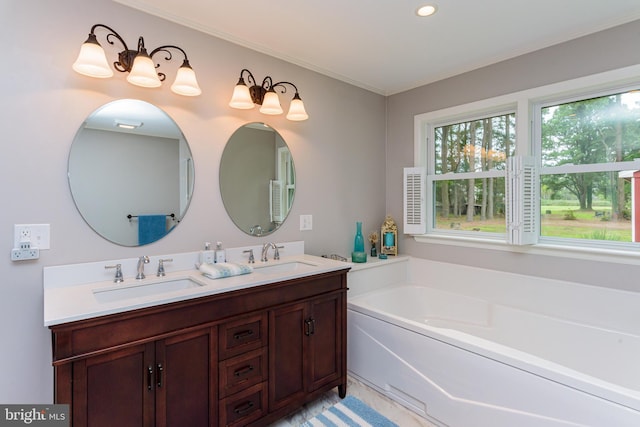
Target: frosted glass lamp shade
[
  {"x": 271, "y": 104},
  {"x": 241, "y": 98},
  {"x": 143, "y": 72},
  {"x": 186, "y": 83},
  {"x": 92, "y": 60},
  {"x": 297, "y": 112}
]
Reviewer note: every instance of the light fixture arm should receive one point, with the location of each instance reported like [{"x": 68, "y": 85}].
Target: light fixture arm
[
  {"x": 125, "y": 57},
  {"x": 168, "y": 57},
  {"x": 284, "y": 88}
]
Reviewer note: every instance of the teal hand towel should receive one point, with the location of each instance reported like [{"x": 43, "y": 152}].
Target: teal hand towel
[{"x": 151, "y": 228}]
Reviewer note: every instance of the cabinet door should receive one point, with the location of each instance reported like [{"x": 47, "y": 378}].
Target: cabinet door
[
  {"x": 186, "y": 380},
  {"x": 324, "y": 355},
  {"x": 287, "y": 345},
  {"x": 114, "y": 389}
]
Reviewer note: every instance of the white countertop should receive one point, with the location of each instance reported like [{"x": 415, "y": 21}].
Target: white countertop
[{"x": 68, "y": 300}]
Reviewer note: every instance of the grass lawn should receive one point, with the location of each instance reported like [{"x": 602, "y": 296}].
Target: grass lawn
[{"x": 594, "y": 225}]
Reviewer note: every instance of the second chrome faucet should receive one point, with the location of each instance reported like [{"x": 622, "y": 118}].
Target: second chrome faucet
[{"x": 265, "y": 249}]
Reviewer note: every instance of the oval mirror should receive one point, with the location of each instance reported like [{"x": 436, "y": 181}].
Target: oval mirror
[
  {"x": 131, "y": 172},
  {"x": 257, "y": 179}
]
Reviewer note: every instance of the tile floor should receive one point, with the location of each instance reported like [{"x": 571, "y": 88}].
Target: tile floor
[{"x": 390, "y": 409}]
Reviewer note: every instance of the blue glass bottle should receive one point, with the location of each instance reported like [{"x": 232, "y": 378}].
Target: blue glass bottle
[{"x": 358, "y": 244}]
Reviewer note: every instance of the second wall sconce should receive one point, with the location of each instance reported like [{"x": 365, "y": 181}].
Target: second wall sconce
[
  {"x": 92, "y": 62},
  {"x": 245, "y": 97}
]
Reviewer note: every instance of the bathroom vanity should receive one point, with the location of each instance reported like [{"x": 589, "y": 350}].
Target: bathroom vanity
[{"x": 246, "y": 355}]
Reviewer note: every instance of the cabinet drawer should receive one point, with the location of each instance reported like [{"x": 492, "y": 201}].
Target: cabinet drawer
[
  {"x": 240, "y": 336},
  {"x": 244, "y": 407},
  {"x": 242, "y": 371}
]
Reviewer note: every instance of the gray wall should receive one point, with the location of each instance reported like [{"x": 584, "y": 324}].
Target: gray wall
[
  {"x": 337, "y": 153},
  {"x": 599, "y": 52}
]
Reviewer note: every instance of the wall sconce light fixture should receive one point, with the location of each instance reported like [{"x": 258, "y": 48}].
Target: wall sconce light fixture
[
  {"x": 92, "y": 62},
  {"x": 245, "y": 97}
]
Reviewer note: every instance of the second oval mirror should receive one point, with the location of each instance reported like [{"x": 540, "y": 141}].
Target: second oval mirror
[{"x": 257, "y": 179}]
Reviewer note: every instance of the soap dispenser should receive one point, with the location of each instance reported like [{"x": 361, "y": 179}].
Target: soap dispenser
[
  {"x": 221, "y": 254},
  {"x": 207, "y": 256}
]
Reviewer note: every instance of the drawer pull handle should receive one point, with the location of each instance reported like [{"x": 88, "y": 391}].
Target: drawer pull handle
[
  {"x": 243, "y": 371},
  {"x": 243, "y": 334},
  {"x": 244, "y": 408}
]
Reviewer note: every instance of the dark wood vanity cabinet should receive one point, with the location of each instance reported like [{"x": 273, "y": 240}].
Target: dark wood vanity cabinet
[
  {"x": 246, "y": 357},
  {"x": 305, "y": 350},
  {"x": 160, "y": 383}
]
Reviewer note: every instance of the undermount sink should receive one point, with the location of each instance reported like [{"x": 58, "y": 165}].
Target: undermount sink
[
  {"x": 284, "y": 267},
  {"x": 136, "y": 290}
]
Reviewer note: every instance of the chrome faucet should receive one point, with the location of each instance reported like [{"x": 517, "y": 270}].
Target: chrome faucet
[
  {"x": 251, "y": 258},
  {"x": 265, "y": 249},
  {"x": 161, "y": 262},
  {"x": 118, "y": 277},
  {"x": 141, "y": 262}
]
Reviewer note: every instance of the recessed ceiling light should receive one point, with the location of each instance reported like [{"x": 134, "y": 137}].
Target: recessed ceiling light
[
  {"x": 127, "y": 124},
  {"x": 426, "y": 10}
]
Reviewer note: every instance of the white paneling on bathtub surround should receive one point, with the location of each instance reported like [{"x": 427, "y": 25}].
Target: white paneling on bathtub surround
[
  {"x": 44, "y": 102},
  {"x": 470, "y": 346}
]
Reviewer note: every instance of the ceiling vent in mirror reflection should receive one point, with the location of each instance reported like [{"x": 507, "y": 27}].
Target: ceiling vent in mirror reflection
[
  {"x": 132, "y": 182},
  {"x": 92, "y": 61}
]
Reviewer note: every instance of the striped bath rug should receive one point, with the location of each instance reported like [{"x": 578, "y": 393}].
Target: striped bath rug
[{"x": 350, "y": 412}]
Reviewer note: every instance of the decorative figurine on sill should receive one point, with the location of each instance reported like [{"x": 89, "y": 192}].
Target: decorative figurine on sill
[
  {"x": 389, "y": 237},
  {"x": 373, "y": 239}
]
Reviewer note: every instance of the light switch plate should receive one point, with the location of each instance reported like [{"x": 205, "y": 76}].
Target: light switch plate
[{"x": 306, "y": 222}]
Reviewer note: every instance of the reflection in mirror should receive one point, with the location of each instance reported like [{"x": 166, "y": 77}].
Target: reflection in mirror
[
  {"x": 131, "y": 172},
  {"x": 257, "y": 179}
]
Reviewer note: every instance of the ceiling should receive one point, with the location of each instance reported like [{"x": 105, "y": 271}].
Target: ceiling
[{"x": 382, "y": 45}]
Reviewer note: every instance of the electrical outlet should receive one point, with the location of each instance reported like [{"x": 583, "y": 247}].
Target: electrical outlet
[
  {"x": 18, "y": 254},
  {"x": 37, "y": 235}
]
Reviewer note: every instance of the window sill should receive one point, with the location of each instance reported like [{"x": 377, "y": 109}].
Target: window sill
[{"x": 562, "y": 251}]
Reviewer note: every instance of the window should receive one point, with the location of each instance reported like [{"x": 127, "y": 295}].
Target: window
[
  {"x": 587, "y": 152},
  {"x": 572, "y": 161},
  {"x": 468, "y": 179}
]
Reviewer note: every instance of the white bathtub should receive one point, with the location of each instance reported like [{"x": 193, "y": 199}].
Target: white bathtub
[{"x": 486, "y": 358}]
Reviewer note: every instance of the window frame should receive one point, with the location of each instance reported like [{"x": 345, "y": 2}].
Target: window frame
[{"x": 527, "y": 106}]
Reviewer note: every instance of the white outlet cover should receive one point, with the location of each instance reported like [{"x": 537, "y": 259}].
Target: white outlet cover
[{"x": 40, "y": 235}]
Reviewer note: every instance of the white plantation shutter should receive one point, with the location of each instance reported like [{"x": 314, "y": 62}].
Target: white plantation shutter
[
  {"x": 276, "y": 201},
  {"x": 414, "y": 201},
  {"x": 521, "y": 201}
]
